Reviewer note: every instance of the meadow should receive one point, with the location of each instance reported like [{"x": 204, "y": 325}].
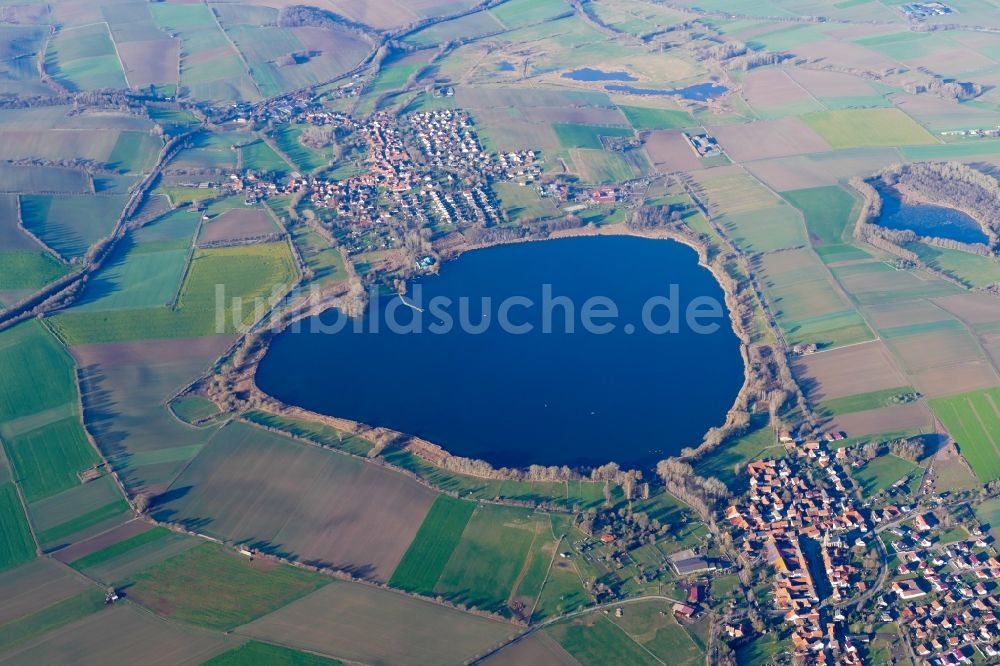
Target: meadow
[
  {"x": 647, "y": 118},
  {"x": 882, "y": 472},
  {"x": 973, "y": 419},
  {"x": 29, "y": 270},
  {"x": 595, "y": 639},
  {"x": 215, "y": 587},
  {"x": 497, "y": 549},
  {"x": 586, "y": 136},
  {"x": 828, "y": 211},
  {"x": 304, "y": 158}
]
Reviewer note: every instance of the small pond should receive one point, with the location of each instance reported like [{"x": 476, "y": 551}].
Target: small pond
[
  {"x": 590, "y": 74},
  {"x": 927, "y": 220}
]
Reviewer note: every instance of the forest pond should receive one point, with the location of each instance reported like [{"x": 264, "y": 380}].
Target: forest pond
[{"x": 927, "y": 220}]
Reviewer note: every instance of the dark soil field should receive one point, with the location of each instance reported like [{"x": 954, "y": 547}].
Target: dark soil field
[{"x": 296, "y": 500}]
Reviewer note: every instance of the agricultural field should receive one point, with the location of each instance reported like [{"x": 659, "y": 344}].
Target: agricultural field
[
  {"x": 330, "y": 489},
  {"x": 246, "y": 273},
  {"x": 646, "y": 633},
  {"x": 17, "y": 545},
  {"x": 105, "y": 635},
  {"x": 849, "y": 128},
  {"x": 339, "y": 619},
  {"x": 438, "y": 536},
  {"x": 501, "y": 558},
  {"x": 973, "y": 419},
  {"x": 84, "y": 58},
  {"x": 215, "y": 587},
  {"x": 70, "y": 225},
  {"x": 254, "y": 652}
]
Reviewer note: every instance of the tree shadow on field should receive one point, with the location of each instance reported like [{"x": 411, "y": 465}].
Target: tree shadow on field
[
  {"x": 811, "y": 388},
  {"x": 100, "y": 411},
  {"x": 101, "y": 285}
]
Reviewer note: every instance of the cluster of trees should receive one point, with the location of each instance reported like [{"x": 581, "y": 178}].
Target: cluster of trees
[
  {"x": 296, "y": 58},
  {"x": 701, "y": 494},
  {"x": 911, "y": 449},
  {"x": 721, "y": 51},
  {"x": 302, "y": 16},
  {"x": 654, "y": 217},
  {"x": 954, "y": 90},
  {"x": 484, "y": 236},
  {"x": 630, "y": 529}
]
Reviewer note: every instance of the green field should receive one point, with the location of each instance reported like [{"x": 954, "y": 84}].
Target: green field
[
  {"x": 601, "y": 167},
  {"x": 573, "y": 135},
  {"x": 827, "y": 211},
  {"x": 84, "y": 58},
  {"x": 52, "y": 617},
  {"x": 84, "y": 521},
  {"x": 29, "y": 270},
  {"x": 305, "y": 159},
  {"x": 851, "y": 128},
  {"x": 882, "y": 472},
  {"x": 255, "y": 653},
  {"x": 973, "y": 270},
  {"x": 193, "y": 408},
  {"x": 563, "y": 591},
  {"x": 437, "y": 538},
  {"x": 36, "y": 374},
  {"x": 498, "y": 544},
  {"x": 863, "y": 401},
  {"x": 319, "y": 433},
  {"x": 126, "y": 545},
  {"x": 218, "y": 588},
  {"x": 47, "y": 459},
  {"x": 71, "y": 224},
  {"x": 519, "y": 13},
  {"x": 260, "y": 157},
  {"x": 973, "y": 419},
  {"x": 595, "y": 640},
  {"x": 245, "y": 273},
  {"x": 16, "y": 544},
  {"x": 645, "y": 118}
]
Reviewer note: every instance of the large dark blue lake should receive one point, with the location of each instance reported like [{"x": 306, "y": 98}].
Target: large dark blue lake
[
  {"x": 927, "y": 220},
  {"x": 632, "y": 390}
]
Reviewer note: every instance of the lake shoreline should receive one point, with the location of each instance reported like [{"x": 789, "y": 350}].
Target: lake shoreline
[{"x": 251, "y": 349}]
